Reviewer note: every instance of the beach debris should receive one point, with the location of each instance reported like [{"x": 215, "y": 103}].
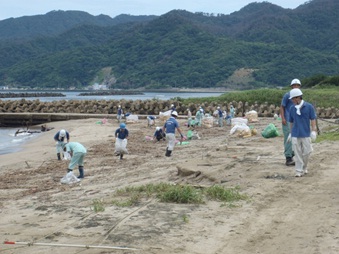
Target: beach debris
[{"x": 69, "y": 178}]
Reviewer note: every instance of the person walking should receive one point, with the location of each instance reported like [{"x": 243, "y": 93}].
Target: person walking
[
  {"x": 119, "y": 114},
  {"x": 159, "y": 135},
  {"x": 121, "y": 136},
  {"x": 77, "y": 152},
  {"x": 285, "y": 106},
  {"x": 302, "y": 118},
  {"x": 60, "y": 137},
  {"x": 169, "y": 128}
]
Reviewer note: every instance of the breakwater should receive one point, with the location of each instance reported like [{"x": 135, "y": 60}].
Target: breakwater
[
  {"x": 24, "y": 95},
  {"x": 65, "y": 110}
]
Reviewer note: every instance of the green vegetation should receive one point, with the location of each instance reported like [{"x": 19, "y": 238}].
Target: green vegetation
[
  {"x": 330, "y": 134},
  {"x": 98, "y": 206},
  {"x": 177, "y": 49},
  {"x": 181, "y": 194},
  {"x": 328, "y": 97}
]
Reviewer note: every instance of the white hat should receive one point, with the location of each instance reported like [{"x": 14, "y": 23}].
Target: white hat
[
  {"x": 295, "y": 92},
  {"x": 157, "y": 128},
  {"x": 295, "y": 82},
  {"x": 218, "y": 107},
  {"x": 174, "y": 113},
  {"x": 62, "y": 133}
]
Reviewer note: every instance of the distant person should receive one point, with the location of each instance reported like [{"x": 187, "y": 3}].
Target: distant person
[
  {"x": 77, "y": 152},
  {"x": 198, "y": 117},
  {"x": 232, "y": 111},
  {"x": 173, "y": 107},
  {"x": 159, "y": 135},
  {"x": 61, "y": 137},
  {"x": 189, "y": 117},
  {"x": 220, "y": 117},
  {"x": 121, "y": 136},
  {"x": 119, "y": 114},
  {"x": 169, "y": 128},
  {"x": 150, "y": 121},
  {"x": 286, "y": 104},
  {"x": 302, "y": 118}
]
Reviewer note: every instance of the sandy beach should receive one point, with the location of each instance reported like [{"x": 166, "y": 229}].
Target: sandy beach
[{"x": 283, "y": 214}]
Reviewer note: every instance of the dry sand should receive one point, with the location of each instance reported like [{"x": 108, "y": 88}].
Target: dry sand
[{"x": 284, "y": 214}]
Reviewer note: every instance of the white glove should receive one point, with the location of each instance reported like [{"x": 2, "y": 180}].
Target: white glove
[
  {"x": 313, "y": 135},
  {"x": 57, "y": 143},
  {"x": 289, "y": 138}
]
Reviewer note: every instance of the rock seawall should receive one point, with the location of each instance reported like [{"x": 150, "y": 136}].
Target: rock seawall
[{"x": 142, "y": 107}]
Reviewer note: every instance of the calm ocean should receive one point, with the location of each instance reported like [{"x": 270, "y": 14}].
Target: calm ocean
[{"x": 9, "y": 143}]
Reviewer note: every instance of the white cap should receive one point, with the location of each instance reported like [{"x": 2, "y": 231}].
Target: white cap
[
  {"x": 218, "y": 107},
  {"x": 295, "y": 82},
  {"x": 62, "y": 133},
  {"x": 295, "y": 92},
  {"x": 174, "y": 113},
  {"x": 157, "y": 128}
]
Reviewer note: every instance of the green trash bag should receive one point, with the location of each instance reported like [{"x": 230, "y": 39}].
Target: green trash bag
[
  {"x": 270, "y": 131},
  {"x": 189, "y": 135}
]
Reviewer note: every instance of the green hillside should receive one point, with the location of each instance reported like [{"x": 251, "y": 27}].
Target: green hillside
[{"x": 267, "y": 44}]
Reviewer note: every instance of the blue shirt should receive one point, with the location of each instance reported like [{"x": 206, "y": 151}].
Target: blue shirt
[
  {"x": 151, "y": 117},
  {"x": 220, "y": 112},
  {"x": 58, "y": 138},
  {"x": 301, "y": 123},
  {"x": 287, "y": 103},
  {"x": 170, "y": 125},
  {"x": 122, "y": 133},
  {"x": 119, "y": 111},
  {"x": 158, "y": 133}
]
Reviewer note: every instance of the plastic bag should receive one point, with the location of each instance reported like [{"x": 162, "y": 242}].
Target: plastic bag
[
  {"x": 242, "y": 130},
  {"x": 270, "y": 131},
  {"x": 132, "y": 119},
  {"x": 207, "y": 122},
  {"x": 252, "y": 116},
  {"x": 121, "y": 146},
  {"x": 163, "y": 116},
  {"x": 239, "y": 120},
  {"x": 69, "y": 178},
  {"x": 67, "y": 156}
]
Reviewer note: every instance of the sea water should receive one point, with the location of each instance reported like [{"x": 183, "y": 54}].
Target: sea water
[{"x": 11, "y": 143}]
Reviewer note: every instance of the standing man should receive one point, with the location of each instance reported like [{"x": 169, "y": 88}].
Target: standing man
[
  {"x": 121, "y": 136},
  {"x": 220, "y": 117},
  {"x": 285, "y": 106},
  {"x": 198, "y": 117},
  {"x": 119, "y": 114},
  {"x": 77, "y": 152},
  {"x": 302, "y": 119},
  {"x": 170, "y": 126},
  {"x": 60, "y": 137},
  {"x": 189, "y": 117}
]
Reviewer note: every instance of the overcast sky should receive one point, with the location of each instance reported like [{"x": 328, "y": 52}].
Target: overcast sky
[{"x": 112, "y": 8}]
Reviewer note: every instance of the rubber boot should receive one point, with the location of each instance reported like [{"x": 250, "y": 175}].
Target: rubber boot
[
  {"x": 121, "y": 156},
  {"x": 168, "y": 152},
  {"x": 59, "y": 157},
  {"x": 81, "y": 171},
  {"x": 289, "y": 161}
]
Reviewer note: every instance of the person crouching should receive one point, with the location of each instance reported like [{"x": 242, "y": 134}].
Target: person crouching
[{"x": 77, "y": 152}]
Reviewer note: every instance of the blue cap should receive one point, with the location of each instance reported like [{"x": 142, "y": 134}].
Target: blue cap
[{"x": 122, "y": 125}]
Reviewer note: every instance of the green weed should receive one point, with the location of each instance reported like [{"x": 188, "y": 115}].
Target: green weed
[{"x": 98, "y": 206}]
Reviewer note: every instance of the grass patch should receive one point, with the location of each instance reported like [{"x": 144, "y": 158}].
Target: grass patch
[
  {"x": 98, "y": 206},
  {"x": 331, "y": 134},
  {"x": 180, "y": 194}
]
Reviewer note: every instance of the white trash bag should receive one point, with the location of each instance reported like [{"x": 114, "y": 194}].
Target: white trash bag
[
  {"x": 69, "y": 178},
  {"x": 121, "y": 146},
  {"x": 67, "y": 156}
]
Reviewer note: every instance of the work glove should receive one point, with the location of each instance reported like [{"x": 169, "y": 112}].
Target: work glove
[
  {"x": 57, "y": 142},
  {"x": 313, "y": 136},
  {"x": 289, "y": 138}
]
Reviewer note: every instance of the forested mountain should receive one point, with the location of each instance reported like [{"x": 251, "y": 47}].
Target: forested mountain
[{"x": 260, "y": 45}]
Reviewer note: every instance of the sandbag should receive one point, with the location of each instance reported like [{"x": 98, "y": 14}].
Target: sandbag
[
  {"x": 207, "y": 122},
  {"x": 239, "y": 121},
  {"x": 241, "y": 130},
  {"x": 132, "y": 119},
  {"x": 252, "y": 116},
  {"x": 270, "y": 131}
]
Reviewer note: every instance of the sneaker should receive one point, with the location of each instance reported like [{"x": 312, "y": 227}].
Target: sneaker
[{"x": 298, "y": 175}]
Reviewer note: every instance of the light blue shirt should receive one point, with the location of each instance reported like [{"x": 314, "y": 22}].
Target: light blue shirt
[{"x": 75, "y": 147}]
